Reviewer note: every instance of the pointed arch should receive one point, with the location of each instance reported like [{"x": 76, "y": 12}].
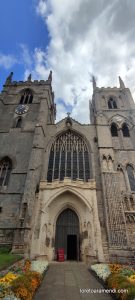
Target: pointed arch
[
  {"x": 5, "y": 171},
  {"x": 69, "y": 157},
  {"x": 109, "y": 157},
  {"x": 69, "y": 210},
  {"x": 72, "y": 191},
  {"x": 125, "y": 130},
  {"x": 65, "y": 206},
  {"x": 114, "y": 130}
]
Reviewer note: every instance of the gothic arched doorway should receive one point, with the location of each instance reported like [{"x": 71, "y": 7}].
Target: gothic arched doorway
[{"x": 67, "y": 234}]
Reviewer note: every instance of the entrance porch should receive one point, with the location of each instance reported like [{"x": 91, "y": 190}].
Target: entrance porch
[{"x": 66, "y": 216}]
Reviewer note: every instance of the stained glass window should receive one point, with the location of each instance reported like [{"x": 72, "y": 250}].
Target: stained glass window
[{"x": 70, "y": 158}]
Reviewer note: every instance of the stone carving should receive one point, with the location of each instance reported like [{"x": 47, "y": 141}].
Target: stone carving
[
  {"x": 107, "y": 163},
  {"x": 114, "y": 214},
  {"x": 110, "y": 163}
]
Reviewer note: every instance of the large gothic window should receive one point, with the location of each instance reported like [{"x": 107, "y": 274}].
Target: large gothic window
[
  {"x": 27, "y": 97},
  {"x": 112, "y": 103},
  {"x": 131, "y": 177},
  {"x": 5, "y": 170},
  {"x": 69, "y": 157},
  {"x": 125, "y": 130},
  {"x": 114, "y": 130}
]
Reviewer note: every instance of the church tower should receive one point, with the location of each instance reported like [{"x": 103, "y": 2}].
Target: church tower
[
  {"x": 113, "y": 113},
  {"x": 26, "y": 107}
]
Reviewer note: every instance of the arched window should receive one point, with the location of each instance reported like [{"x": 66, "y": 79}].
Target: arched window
[
  {"x": 131, "y": 177},
  {"x": 27, "y": 97},
  {"x": 19, "y": 123},
  {"x": 69, "y": 157},
  {"x": 112, "y": 103},
  {"x": 125, "y": 130},
  {"x": 114, "y": 130},
  {"x": 5, "y": 170}
]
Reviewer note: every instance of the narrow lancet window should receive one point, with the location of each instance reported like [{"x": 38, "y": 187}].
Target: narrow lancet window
[
  {"x": 19, "y": 123},
  {"x": 5, "y": 170},
  {"x": 114, "y": 130},
  {"x": 125, "y": 130}
]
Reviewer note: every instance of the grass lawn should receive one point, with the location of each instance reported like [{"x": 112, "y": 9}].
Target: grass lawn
[{"x": 7, "y": 259}]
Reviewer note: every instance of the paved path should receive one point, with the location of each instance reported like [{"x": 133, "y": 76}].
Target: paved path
[{"x": 63, "y": 281}]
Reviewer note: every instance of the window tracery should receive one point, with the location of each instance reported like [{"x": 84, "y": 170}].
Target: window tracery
[
  {"x": 69, "y": 157},
  {"x": 5, "y": 170},
  {"x": 27, "y": 97}
]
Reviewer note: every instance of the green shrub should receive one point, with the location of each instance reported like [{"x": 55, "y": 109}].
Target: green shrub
[
  {"x": 115, "y": 280},
  {"x": 119, "y": 281},
  {"x": 127, "y": 272},
  {"x": 5, "y": 249},
  {"x": 131, "y": 293}
]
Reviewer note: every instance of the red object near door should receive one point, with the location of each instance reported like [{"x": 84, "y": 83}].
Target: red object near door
[{"x": 60, "y": 255}]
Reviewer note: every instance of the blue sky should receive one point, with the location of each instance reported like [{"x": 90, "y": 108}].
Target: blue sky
[
  {"x": 74, "y": 39},
  {"x": 20, "y": 26}
]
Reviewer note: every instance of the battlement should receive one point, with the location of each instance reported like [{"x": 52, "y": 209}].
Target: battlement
[
  {"x": 109, "y": 89},
  {"x": 96, "y": 88},
  {"x": 27, "y": 82}
]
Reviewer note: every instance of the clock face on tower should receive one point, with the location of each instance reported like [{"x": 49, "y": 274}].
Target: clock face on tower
[{"x": 21, "y": 109}]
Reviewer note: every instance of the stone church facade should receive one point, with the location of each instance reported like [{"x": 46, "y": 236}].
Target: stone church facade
[{"x": 67, "y": 185}]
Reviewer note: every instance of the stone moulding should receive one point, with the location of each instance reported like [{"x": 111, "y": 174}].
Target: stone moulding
[{"x": 91, "y": 184}]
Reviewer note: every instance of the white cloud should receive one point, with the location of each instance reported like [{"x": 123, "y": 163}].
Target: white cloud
[
  {"x": 61, "y": 110},
  {"x": 86, "y": 37},
  {"x": 42, "y": 8},
  {"x": 7, "y": 61},
  {"x": 26, "y": 57}
]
